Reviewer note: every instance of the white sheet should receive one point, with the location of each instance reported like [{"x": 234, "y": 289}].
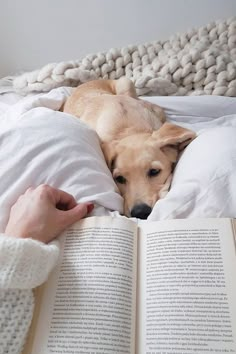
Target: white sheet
[
  {"x": 7, "y": 100},
  {"x": 40, "y": 145}
]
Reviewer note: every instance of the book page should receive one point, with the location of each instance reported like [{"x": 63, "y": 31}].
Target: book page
[
  {"x": 89, "y": 302},
  {"x": 187, "y": 287}
]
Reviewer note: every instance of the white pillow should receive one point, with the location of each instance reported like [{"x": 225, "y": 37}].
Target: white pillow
[
  {"x": 204, "y": 182},
  {"x": 46, "y": 146}
]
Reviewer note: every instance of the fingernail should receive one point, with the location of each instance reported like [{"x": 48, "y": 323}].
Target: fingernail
[{"x": 90, "y": 207}]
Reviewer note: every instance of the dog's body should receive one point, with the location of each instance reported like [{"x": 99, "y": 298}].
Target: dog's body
[
  {"x": 139, "y": 147},
  {"x": 112, "y": 109}
]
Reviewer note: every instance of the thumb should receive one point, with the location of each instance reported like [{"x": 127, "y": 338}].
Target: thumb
[{"x": 77, "y": 213}]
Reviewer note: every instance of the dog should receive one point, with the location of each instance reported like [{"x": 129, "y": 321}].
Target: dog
[{"x": 140, "y": 147}]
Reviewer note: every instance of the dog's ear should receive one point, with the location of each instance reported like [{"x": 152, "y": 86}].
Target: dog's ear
[
  {"x": 172, "y": 139},
  {"x": 109, "y": 151}
]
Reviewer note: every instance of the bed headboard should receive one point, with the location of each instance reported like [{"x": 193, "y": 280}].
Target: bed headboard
[{"x": 34, "y": 34}]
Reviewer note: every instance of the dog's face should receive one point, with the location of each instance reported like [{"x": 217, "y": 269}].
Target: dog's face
[{"x": 142, "y": 165}]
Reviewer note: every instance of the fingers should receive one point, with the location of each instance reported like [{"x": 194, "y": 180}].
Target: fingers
[
  {"x": 64, "y": 200},
  {"x": 37, "y": 214},
  {"x": 60, "y": 199},
  {"x": 29, "y": 190},
  {"x": 69, "y": 217}
]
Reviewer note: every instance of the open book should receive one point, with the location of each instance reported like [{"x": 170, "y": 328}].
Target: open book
[{"x": 147, "y": 287}]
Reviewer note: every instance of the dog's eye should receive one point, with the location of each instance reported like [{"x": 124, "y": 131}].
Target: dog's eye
[
  {"x": 153, "y": 172},
  {"x": 120, "y": 179}
]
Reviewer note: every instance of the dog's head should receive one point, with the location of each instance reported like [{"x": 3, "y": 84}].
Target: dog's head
[{"x": 142, "y": 165}]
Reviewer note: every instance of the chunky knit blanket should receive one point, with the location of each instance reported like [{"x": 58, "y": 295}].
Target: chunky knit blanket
[{"x": 197, "y": 62}]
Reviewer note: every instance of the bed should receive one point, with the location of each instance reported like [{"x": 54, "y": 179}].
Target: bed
[
  {"x": 40, "y": 144},
  {"x": 191, "y": 75}
]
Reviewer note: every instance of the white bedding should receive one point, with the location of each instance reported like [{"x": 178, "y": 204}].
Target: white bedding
[
  {"x": 38, "y": 144},
  {"x": 7, "y": 100}
]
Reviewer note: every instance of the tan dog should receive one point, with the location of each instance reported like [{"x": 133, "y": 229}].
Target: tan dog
[{"x": 140, "y": 148}]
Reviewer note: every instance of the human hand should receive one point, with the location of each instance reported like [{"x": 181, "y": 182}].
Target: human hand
[{"x": 42, "y": 213}]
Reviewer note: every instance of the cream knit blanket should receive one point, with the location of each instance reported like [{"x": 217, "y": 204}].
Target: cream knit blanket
[{"x": 197, "y": 62}]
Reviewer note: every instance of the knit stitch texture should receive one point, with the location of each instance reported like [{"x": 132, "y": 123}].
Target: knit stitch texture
[
  {"x": 197, "y": 62},
  {"x": 24, "y": 264}
]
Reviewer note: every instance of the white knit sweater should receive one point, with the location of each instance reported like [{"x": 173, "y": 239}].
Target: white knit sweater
[{"x": 24, "y": 264}]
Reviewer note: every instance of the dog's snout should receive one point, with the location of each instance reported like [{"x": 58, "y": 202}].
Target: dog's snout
[{"x": 141, "y": 211}]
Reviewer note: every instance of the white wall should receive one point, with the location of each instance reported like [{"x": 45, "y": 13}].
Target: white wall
[{"x": 34, "y": 33}]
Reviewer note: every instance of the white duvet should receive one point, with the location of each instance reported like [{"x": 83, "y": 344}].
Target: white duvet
[{"x": 38, "y": 145}]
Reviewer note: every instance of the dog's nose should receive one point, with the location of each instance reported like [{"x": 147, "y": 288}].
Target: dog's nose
[{"x": 141, "y": 211}]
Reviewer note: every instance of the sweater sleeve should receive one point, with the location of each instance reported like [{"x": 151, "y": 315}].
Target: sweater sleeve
[{"x": 25, "y": 263}]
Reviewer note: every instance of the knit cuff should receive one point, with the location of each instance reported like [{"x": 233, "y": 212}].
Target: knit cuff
[{"x": 25, "y": 263}]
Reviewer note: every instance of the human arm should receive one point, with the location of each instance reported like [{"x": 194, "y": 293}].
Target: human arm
[{"x": 38, "y": 217}]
